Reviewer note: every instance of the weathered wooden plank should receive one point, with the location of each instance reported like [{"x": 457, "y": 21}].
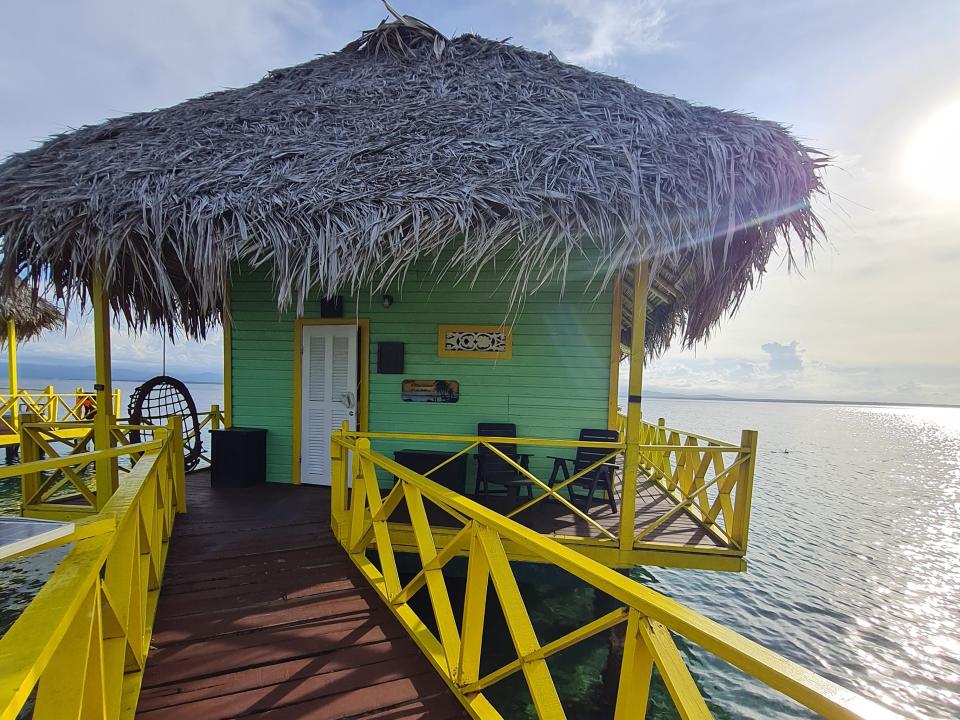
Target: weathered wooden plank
[
  {"x": 347, "y": 668},
  {"x": 261, "y": 612},
  {"x": 175, "y": 663}
]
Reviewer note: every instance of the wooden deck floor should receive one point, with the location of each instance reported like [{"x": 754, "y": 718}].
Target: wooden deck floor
[
  {"x": 263, "y": 614},
  {"x": 550, "y": 517}
]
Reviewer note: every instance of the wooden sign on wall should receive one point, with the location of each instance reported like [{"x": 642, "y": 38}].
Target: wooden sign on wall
[
  {"x": 490, "y": 342},
  {"x": 432, "y": 391}
]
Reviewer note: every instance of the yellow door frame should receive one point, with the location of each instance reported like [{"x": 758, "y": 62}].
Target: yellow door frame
[
  {"x": 363, "y": 348},
  {"x": 616, "y": 320},
  {"x": 226, "y": 322}
]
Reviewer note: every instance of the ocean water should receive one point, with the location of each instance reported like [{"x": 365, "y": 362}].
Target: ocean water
[
  {"x": 854, "y": 555},
  {"x": 854, "y": 563}
]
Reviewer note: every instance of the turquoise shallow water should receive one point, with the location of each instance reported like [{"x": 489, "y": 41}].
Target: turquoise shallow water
[{"x": 853, "y": 561}]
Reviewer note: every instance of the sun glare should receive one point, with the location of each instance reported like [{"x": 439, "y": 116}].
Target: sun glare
[{"x": 933, "y": 153}]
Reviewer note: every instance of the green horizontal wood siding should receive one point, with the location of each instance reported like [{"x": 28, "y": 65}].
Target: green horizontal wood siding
[{"x": 555, "y": 384}]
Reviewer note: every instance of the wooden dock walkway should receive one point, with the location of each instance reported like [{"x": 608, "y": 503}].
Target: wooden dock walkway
[{"x": 262, "y": 614}]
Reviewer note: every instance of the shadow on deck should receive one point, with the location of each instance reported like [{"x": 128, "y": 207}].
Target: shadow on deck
[
  {"x": 262, "y": 613},
  {"x": 549, "y": 517}
]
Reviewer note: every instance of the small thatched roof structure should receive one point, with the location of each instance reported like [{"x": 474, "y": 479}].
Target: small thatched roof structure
[
  {"x": 341, "y": 172},
  {"x": 31, "y": 315}
]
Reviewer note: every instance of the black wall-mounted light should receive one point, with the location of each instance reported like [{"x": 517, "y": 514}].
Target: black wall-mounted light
[
  {"x": 387, "y": 300},
  {"x": 331, "y": 307}
]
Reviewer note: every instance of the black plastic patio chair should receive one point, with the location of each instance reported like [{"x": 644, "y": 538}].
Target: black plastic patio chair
[
  {"x": 600, "y": 478},
  {"x": 493, "y": 469}
]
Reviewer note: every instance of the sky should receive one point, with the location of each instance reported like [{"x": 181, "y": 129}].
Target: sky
[{"x": 874, "y": 317}]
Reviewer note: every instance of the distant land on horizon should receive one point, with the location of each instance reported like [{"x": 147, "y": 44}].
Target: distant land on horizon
[
  {"x": 121, "y": 372},
  {"x": 51, "y": 372},
  {"x": 727, "y": 398}
]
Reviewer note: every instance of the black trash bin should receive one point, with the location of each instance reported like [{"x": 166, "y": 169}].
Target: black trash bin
[{"x": 238, "y": 457}]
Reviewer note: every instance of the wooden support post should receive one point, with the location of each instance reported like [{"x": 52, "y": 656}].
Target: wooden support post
[
  {"x": 79, "y": 408},
  {"x": 175, "y": 428},
  {"x": 227, "y": 359},
  {"x": 741, "y": 515},
  {"x": 106, "y": 469},
  {"x": 338, "y": 483},
  {"x": 474, "y": 613},
  {"x": 214, "y": 417},
  {"x": 631, "y": 458},
  {"x": 29, "y": 452},
  {"x": 613, "y": 412},
  {"x": 12, "y": 382},
  {"x": 51, "y": 405},
  {"x": 633, "y": 690}
]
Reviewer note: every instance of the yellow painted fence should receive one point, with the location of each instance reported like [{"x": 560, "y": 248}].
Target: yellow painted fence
[
  {"x": 49, "y": 406},
  {"x": 360, "y": 520},
  {"x": 709, "y": 479},
  {"x": 78, "y": 649},
  {"x": 680, "y": 473}
]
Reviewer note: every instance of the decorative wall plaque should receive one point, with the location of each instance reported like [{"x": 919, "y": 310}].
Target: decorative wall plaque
[
  {"x": 433, "y": 391},
  {"x": 491, "y": 342}
]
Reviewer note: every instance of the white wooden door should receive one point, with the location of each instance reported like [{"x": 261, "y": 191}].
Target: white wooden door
[{"x": 329, "y": 394}]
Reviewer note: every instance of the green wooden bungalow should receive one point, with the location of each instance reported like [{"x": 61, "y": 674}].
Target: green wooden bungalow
[{"x": 417, "y": 235}]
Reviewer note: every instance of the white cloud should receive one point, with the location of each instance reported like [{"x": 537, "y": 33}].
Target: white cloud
[
  {"x": 75, "y": 347},
  {"x": 113, "y": 57},
  {"x": 784, "y": 358},
  {"x": 789, "y": 373},
  {"x": 595, "y": 32}
]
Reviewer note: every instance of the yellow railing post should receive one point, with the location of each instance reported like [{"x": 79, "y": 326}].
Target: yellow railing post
[
  {"x": 116, "y": 402},
  {"x": 12, "y": 380},
  {"x": 338, "y": 481},
  {"x": 76, "y": 407},
  {"x": 214, "y": 417},
  {"x": 741, "y": 516},
  {"x": 636, "y": 669},
  {"x": 631, "y": 458},
  {"x": 661, "y": 440},
  {"x": 175, "y": 427},
  {"x": 50, "y": 408},
  {"x": 29, "y": 452},
  {"x": 474, "y": 612}
]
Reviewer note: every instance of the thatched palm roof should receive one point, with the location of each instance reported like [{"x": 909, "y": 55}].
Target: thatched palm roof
[
  {"x": 343, "y": 171},
  {"x": 31, "y": 315}
]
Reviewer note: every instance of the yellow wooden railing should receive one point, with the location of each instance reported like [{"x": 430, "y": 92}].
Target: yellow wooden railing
[
  {"x": 65, "y": 476},
  {"x": 213, "y": 419},
  {"x": 79, "y": 647},
  {"x": 49, "y": 406},
  {"x": 360, "y": 518},
  {"x": 708, "y": 480}
]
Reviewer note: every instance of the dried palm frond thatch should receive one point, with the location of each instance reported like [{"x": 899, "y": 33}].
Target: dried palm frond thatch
[
  {"x": 31, "y": 315},
  {"x": 341, "y": 172}
]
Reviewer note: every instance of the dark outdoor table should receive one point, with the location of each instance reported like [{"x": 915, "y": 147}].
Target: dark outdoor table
[
  {"x": 513, "y": 487},
  {"x": 453, "y": 475}
]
